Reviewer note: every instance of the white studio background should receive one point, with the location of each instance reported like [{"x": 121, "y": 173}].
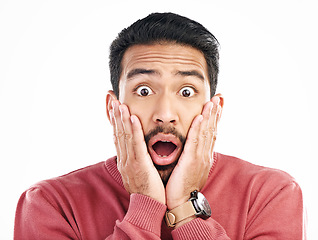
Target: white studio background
[{"x": 54, "y": 77}]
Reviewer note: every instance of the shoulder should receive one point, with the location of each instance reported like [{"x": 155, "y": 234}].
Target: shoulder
[
  {"x": 244, "y": 176},
  {"x": 234, "y": 180},
  {"x": 84, "y": 181},
  {"x": 241, "y": 169}
]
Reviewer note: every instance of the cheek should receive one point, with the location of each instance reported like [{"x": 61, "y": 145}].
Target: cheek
[
  {"x": 187, "y": 116},
  {"x": 140, "y": 110}
]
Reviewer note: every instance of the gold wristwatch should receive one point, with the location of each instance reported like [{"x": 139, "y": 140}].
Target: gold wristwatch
[{"x": 197, "y": 205}]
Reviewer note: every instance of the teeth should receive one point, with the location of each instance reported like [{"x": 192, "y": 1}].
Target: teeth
[{"x": 163, "y": 155}]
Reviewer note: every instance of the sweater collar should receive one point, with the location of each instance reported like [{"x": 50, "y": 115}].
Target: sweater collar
[{"x": 111, "y": 166}]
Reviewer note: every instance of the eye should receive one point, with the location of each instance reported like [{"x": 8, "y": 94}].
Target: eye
[
  {"x": 187, "y": 92},
  {"x": 144, "y": 91}
]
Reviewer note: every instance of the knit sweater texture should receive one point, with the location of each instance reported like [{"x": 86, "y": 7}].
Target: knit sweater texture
[{"x": 247, "y": 202}]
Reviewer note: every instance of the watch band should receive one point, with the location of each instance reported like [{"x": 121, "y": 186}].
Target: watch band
[{"x": 180, "y": 213}]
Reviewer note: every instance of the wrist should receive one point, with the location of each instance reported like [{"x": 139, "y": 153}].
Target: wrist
[
  {"x": 143, "y": 210},
  {"x": 184, "y": 221},
  {"x": 196, "y": 206},
  {"x": 171, "y": 204}
]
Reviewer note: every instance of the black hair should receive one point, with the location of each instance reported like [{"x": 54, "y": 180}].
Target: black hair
[{"x": 165, "y": 27}]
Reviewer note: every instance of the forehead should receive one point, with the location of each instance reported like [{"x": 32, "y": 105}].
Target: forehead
[{"x": 169, "y": 56}]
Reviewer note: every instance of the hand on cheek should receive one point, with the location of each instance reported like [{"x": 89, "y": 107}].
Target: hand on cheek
[
  {"x": 193, "y": 168},
  {"x": 133, "y": 161}
]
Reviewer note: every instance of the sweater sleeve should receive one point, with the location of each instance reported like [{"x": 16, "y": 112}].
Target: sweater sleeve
[
  {"x": 142, "y": 220},
  {"x": 39, "y": 216},
  {"x": 201, "y": 229},
  {"x": 279, "y": 215}
]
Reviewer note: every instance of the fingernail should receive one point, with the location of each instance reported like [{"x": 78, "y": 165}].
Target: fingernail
[
  {"x": 132, "y": 119},
  {"x": 120, "y": 109}
]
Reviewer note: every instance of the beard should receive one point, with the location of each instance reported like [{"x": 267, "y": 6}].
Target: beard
[{"x": 165, "y": 170}]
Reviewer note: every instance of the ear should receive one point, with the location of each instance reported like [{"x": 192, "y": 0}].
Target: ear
[
  {"x": 110, "y": 97},
  {"x": 221, "y": 103}
]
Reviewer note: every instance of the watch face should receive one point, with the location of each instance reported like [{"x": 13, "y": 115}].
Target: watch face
[{"x": 203, "y": 205}]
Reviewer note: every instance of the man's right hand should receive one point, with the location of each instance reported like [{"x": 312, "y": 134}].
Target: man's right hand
[{"x": 134, "y": 163}]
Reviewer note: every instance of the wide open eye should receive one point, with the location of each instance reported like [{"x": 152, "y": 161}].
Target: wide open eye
[
  {"x": 144, "y": 91},
  {"x": 187, "y": 92}
]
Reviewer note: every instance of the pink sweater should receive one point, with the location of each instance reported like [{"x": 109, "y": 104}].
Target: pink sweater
[{"x": 247, "y": 202}]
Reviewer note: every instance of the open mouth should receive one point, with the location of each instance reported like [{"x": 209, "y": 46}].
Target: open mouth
[{"x": 164, "y": 148}]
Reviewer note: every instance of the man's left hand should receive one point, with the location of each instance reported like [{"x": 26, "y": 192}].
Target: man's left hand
[{"x": 196, "y": 160}]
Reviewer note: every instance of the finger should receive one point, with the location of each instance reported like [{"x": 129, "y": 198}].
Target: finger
[
  {"x": 215, "y": 115},
  {"x": 120, "y": 132},
  {"x": 214, "y": 132},
  {"x": 138, "y": 140},
  {"x": 204, "y": 133},
  {"x": 128, "y": 134},
  {"x": 112, "y": 121}
]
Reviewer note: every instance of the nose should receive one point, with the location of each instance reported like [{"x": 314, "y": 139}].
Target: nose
[{"x": 165, "y": 111}]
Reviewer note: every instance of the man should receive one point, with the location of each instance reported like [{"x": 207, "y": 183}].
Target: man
[{"x": 166, "y": 182}]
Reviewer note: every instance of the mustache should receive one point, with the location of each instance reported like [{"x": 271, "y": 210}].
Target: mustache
[{"x": 165, "y": 130}]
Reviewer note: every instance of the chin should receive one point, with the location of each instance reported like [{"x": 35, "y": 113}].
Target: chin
[{"x": 165, "y": 171}]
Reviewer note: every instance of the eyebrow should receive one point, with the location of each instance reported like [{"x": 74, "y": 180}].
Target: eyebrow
[
  {"x": 191, "y": 73},
  {"x": 138, "y": 71}
]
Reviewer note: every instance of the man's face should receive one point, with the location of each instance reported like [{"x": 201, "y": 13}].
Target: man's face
[{"x": 165, "y": 86}]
